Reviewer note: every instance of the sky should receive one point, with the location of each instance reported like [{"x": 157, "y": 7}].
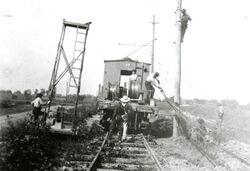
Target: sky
[{"x": 215, "y": 51}]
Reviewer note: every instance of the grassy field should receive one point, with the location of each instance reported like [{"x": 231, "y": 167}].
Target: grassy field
[
  {"x": 15, "y": 109},
  {"x": 19, "y": 106}
]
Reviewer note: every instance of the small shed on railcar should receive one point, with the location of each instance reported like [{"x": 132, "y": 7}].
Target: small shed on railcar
[{"x": 117, "y": 72}]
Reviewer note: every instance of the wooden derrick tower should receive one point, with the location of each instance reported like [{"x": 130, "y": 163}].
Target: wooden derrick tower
[{"x": 74, "y": 66}]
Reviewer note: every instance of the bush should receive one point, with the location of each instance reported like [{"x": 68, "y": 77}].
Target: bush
[
  {"x": 5, "y": 99},
  {"x": 27, "y": 147},
  {"x": 161, "y": 128},
  {"x": 5, "y": 102}
]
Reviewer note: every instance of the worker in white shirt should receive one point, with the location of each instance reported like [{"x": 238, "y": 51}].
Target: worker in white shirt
[
  {"x": 151, "y": 82},
  {"x": 133, "y": 76},
  {"x": 132, "y": 79},
  {"x": 37, "y": 106}
]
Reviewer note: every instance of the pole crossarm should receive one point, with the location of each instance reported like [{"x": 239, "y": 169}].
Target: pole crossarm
[{"x": 77, "y": 25}]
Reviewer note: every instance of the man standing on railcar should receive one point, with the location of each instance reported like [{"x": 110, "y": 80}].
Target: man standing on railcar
[
  {"x": 132, "y": 79},
  {"x": 151, "y": 82},
  {"x": 120, "y": 119},
  {"x": 37, "y": 106}
]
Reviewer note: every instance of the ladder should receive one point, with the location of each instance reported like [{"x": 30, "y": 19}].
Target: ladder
[
  {"x": 74, "y": 67},
  {"x": 78, "y": 56}
]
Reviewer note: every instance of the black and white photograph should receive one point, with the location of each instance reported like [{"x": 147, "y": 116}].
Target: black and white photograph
[{"x": 124, "y": 85}]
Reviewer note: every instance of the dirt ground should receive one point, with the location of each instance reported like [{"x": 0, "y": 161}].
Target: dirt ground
[
  {"x": 231, "y": 154},
  {"x": 179, "y": 154}
]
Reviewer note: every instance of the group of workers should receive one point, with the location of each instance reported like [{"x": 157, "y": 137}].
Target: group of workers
[
  {"x": 151, "y": 82},
  {"x": 122, "y": 111},
  {"x": 120, "y": 116}
]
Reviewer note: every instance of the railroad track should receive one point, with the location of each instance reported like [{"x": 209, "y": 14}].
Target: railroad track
[
  {"x": 133, "y": 155},
  {"x": 238, "y": 157},
  {"x": 209, "y": 157}
]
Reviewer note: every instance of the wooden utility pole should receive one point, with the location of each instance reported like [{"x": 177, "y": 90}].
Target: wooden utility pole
[
  {"x": 178, "y": 53},
  {"x": 177, "y": 62},
  {"x": 153, "y": 44}
]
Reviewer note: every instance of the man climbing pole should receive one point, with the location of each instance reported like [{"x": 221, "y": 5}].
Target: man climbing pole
[{"x": 184, "y": 23}]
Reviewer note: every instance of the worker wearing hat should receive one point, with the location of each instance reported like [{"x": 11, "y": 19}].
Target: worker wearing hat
[
  {"x": 120, "y": 118},
  {"x": 184, "y": 23},
  {"x": 37, "y": 106}
]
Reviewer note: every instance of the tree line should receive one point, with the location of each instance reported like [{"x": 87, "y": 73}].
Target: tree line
[
  {"x": 7, "y": 97},
  {"x": 10, "y": 99}
]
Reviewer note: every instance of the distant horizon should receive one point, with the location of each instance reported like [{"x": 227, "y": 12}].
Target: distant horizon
[{"x": 95, "y": 95}]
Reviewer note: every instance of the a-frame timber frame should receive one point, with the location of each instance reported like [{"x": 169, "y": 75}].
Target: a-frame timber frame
[{"x": 78, "y": 57}]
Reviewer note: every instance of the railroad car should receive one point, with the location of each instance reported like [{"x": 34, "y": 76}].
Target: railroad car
[{"x": 117, "y": 83}]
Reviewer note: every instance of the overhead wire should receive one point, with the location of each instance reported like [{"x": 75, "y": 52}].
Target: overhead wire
[{"x": 140, "y": 48}]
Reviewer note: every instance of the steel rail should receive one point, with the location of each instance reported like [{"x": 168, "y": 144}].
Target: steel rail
[
  {"x": 236, "y": 157},
  {"x": 205, "y": 154},
  {"x": 98, "y": 154},
  {"x": 152, "y": 155},
  {"x": 209, "y": 158},
  {"x": 232, "y": 154},
  {"x": 157, "y": 164}
]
